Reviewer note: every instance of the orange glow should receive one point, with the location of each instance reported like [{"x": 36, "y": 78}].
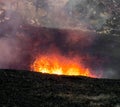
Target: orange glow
[{"x": 60, "y": 65}]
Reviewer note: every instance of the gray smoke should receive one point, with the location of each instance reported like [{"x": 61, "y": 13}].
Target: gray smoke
[
  {"x": 22, "y": 35},
  {"x": 62, "y": 14},
  {"x": 9, "y": 47},
  {"x": 9, "y": 51}
]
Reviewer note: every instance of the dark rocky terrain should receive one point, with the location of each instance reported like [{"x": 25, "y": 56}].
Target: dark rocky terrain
[{"x": 30, "y": 89}]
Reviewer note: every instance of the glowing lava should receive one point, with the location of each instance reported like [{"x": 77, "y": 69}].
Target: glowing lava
[{"x": 60, "y": 65}]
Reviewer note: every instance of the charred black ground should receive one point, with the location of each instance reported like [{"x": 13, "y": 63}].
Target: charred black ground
[{"x": 24, "y": 88}]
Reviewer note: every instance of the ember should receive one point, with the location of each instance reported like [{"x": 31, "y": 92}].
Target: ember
[{"x": 60, "y": 65}]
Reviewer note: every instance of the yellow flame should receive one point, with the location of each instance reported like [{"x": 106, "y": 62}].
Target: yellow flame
[{"x": 60, "y": 65}]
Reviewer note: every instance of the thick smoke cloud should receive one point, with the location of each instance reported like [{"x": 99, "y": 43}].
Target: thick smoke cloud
[
  {"x": 21, "y": 41},
  {"x": 68, "y": 14}
]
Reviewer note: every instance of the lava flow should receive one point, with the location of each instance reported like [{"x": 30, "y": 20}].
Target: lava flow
[{"x": 60, "y": 65}]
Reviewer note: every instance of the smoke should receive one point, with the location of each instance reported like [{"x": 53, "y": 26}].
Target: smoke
[
  {"x": 76, "y": 14},
  {"x": 9, "y": 45},
  {"x": 62, "y": 14},
  {"x": 111, "y": 73},
  {"x": 9, "y": 52},
  {"x": 21, "y": 41}
]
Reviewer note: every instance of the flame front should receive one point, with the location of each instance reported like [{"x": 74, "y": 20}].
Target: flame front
[{"x": 59, "y": 65}]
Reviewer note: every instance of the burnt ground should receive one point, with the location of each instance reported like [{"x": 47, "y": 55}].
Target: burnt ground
[{"x": 30, "y": 89}]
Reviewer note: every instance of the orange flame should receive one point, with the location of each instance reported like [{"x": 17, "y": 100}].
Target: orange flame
[{"x": 60, "y": 65}]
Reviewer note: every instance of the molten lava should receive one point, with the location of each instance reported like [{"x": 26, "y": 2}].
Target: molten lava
[{"x": 60, "y": 65}]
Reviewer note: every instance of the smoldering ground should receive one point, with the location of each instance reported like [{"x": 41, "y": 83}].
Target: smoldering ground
[{"x": 21, "y": 42}]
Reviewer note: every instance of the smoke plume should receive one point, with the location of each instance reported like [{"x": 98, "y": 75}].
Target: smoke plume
[{"x": 27, "y": 33}]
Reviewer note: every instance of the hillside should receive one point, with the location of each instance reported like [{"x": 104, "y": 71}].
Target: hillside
[{"x": 24, "y": 88}]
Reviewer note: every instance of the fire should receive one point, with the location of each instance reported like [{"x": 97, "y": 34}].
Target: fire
[{"x": 60, "y": 65}]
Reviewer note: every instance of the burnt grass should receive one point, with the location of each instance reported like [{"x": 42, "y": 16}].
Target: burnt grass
[{"x": 20, "y": 88}]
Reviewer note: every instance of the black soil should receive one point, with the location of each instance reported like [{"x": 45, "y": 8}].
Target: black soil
[{"x": 30, "y": 89}]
